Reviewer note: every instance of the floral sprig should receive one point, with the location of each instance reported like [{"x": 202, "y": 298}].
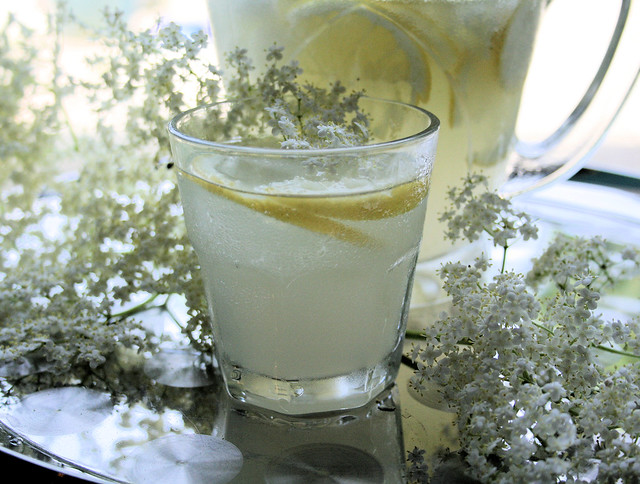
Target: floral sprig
[
  {"x": 75, "y": 245},
  {"x": 568, "y": 256},
  {"x": 523, "y": 369},
  {"x": 106, "y": 231},
  {"x": 476, "y": 210},
  {"x": 299, "y": 116}
]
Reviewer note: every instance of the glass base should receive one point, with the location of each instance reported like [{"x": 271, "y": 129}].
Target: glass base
[{"x": 310, "y": 396}]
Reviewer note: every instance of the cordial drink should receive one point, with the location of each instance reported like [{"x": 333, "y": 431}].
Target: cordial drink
[
  {"x": 307, "y": 255},
  {"x": 464, "y": 60}
]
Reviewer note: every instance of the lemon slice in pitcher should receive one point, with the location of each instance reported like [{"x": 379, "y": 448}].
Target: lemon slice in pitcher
[
  {"x": 395, "y": 50},
  {"x": 362, "y": 47}
]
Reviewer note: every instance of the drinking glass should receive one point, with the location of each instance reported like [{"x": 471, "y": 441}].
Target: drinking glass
[{"x": 307, "y": 255}]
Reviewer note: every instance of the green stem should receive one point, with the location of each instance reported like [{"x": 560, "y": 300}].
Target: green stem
[
  {"x": 143, "y": 306},
  {"x": 413, "y": 335},
  {"x": 57, "y": 74},
  {"x": 607, "y": 349},
  {"x": 67, "y": 121},
  {"x": 171, "y": 314},
  {"x": 543, "y": 327},
  {"x": 614, "y": 351},
  {"x": 504, "y": 259}
]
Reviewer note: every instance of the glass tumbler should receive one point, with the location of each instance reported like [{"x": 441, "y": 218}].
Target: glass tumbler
[{"x": 307, "y": 255}]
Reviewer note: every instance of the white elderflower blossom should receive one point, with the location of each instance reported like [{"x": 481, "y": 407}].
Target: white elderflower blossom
[
  {"x": 521, "y": 367},
  {"x": 121, "y": 236},
  {"x": 474, "y": 210}
]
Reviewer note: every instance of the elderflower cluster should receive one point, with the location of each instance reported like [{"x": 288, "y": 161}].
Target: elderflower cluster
[
  {"x": 74, "y": 246},
  {"x": 300, "y": 116},
  {"x": 84, "y": 252},
  {"x": 475, "y": 210},
  {"x": 524, "y": 370}
]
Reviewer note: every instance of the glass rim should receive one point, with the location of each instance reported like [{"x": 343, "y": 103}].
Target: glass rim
[{"x": 430, "y": 130}]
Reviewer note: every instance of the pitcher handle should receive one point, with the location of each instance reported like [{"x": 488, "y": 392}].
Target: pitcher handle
[{"x": 562, "y": 154}]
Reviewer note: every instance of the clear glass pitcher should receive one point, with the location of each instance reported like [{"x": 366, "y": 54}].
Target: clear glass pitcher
[{"x": 465, "y": 60}]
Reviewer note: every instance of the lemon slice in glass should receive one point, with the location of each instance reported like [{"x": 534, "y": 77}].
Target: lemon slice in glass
[{"x": 325, "y": 214}]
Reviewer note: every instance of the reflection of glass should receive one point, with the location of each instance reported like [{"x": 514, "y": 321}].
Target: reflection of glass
[
  {"x": 361, "y": 445},
  {"x": 466, "y": 61},
  {"x": 307, "y": 255}
]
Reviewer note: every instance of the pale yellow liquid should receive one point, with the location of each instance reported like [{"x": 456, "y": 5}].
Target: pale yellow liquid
[
  {"x": 306, "y": 287},
  {"x": 464, "y": 60}
]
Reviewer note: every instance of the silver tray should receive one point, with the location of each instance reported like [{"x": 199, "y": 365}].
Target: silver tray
[{"x": 164, "y": 417}]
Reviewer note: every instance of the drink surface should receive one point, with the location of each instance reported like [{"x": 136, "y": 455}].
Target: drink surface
[
  {"x": 464, "y": 60},
  {"x": 304, "y": 283}
]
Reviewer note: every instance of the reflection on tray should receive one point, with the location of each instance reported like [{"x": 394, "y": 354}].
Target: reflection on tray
[{"x": 176, "y": 425}]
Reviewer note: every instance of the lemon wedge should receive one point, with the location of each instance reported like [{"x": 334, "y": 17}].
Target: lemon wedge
[
  {"x": 359, "y": 43},
  {"x": 324, "y": 214},
  {"x": 395, "y": 50}
]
